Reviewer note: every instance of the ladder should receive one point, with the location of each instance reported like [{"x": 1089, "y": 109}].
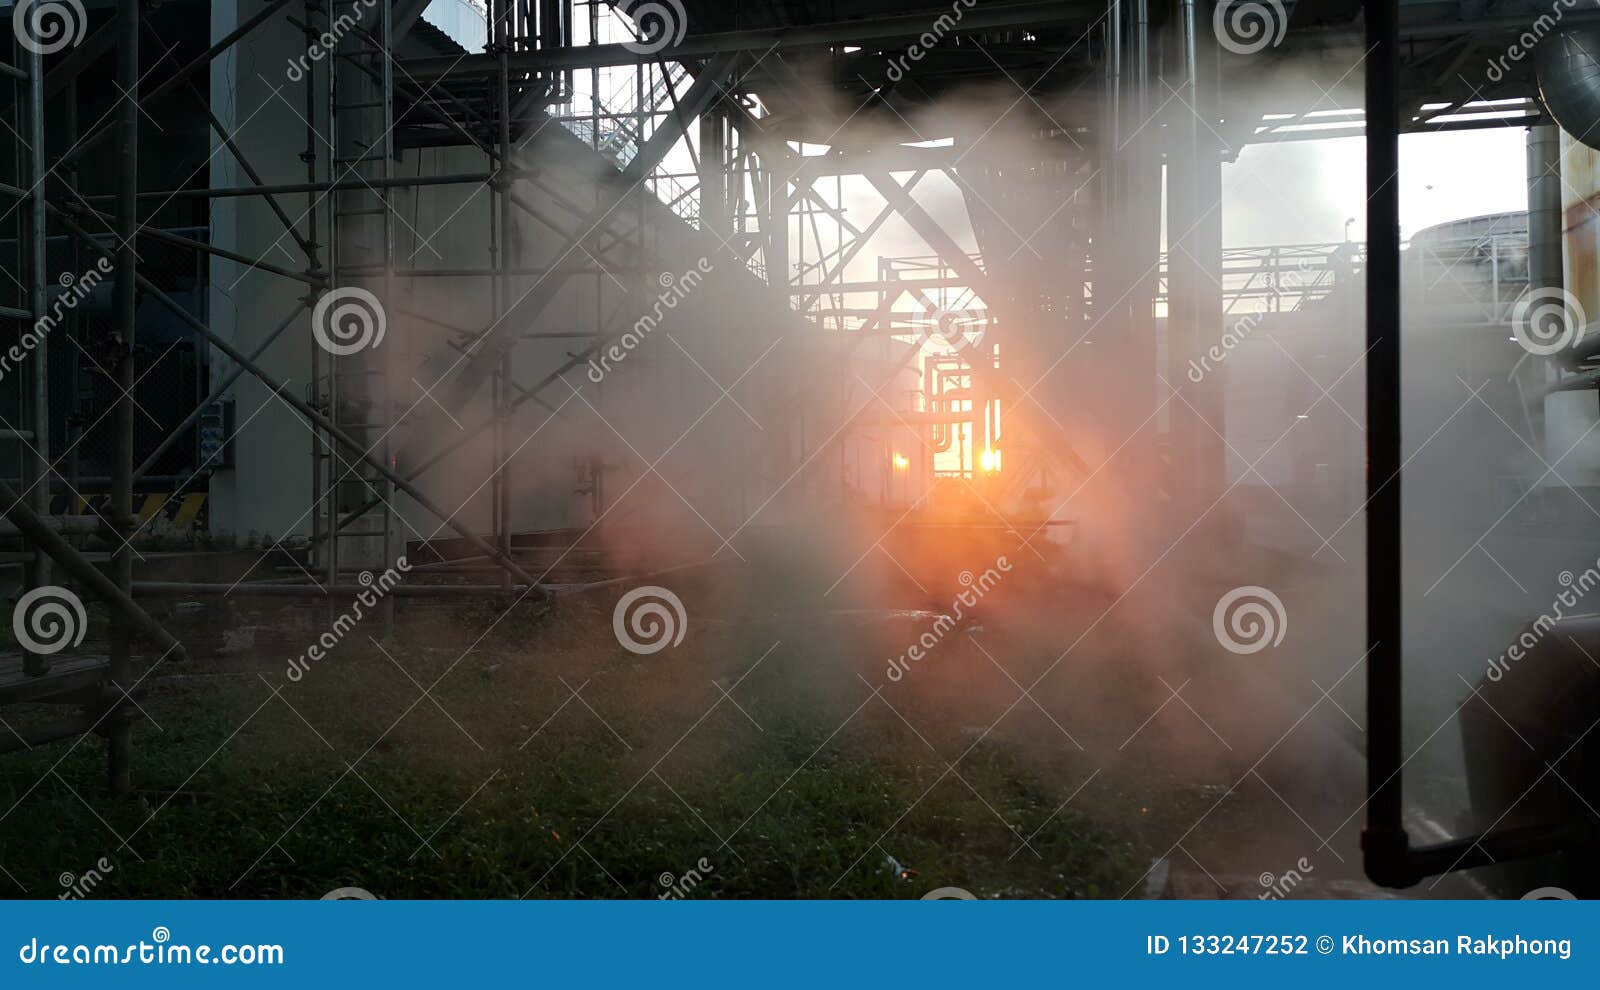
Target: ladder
[{"x": 352, "y": 381}]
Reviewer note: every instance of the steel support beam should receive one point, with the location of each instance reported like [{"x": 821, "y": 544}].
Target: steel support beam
[{"x": 983, "y": 17}]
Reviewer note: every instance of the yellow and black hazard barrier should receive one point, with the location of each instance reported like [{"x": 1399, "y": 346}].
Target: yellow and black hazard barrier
[{"x": 184, "y": 510}]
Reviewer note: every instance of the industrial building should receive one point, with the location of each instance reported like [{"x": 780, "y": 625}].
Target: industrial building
[{"x": 424, "y": 419}]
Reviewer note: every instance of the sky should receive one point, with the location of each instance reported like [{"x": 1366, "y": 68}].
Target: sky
[{"x": 1304, "y": 191}]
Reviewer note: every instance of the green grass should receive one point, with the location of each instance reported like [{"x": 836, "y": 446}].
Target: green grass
[{"x": 243, "y": 794}]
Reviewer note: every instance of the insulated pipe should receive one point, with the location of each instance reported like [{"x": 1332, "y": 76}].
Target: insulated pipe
[{"x": 1568, "y": 68}]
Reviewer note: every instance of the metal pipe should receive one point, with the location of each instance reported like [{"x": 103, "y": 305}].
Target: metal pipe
[
  {"x": 761, "y": 40},
  {"x": 39, "y": 360},
  {"x": 352, "y": 185},
  {"x": 1385, "y": 845},
  {"x": 119, "y": 732},
  {"x": 80, "y": 568}
]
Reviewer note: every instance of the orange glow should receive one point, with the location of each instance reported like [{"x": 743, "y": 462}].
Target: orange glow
[
  {"x": 901, "y": 462},
  {"x": 989, "y": 460}
]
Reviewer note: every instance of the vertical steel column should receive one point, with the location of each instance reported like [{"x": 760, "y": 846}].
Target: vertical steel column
[
  {"x": 39, "y": 360},
  {"x": 1384, "y": 843},
  {"x": 119, "y": 728},
  {"x": 384, "y": 403},
  {"x": 323, "y": 523},
  {"x": 500, "y": 12}
]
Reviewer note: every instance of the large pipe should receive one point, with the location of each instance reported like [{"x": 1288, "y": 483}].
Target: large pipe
[
  {"x": 1385, "y": 845},
  {"x": 39, "y": 361},
  {"x": 1568, "y": 67}
]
